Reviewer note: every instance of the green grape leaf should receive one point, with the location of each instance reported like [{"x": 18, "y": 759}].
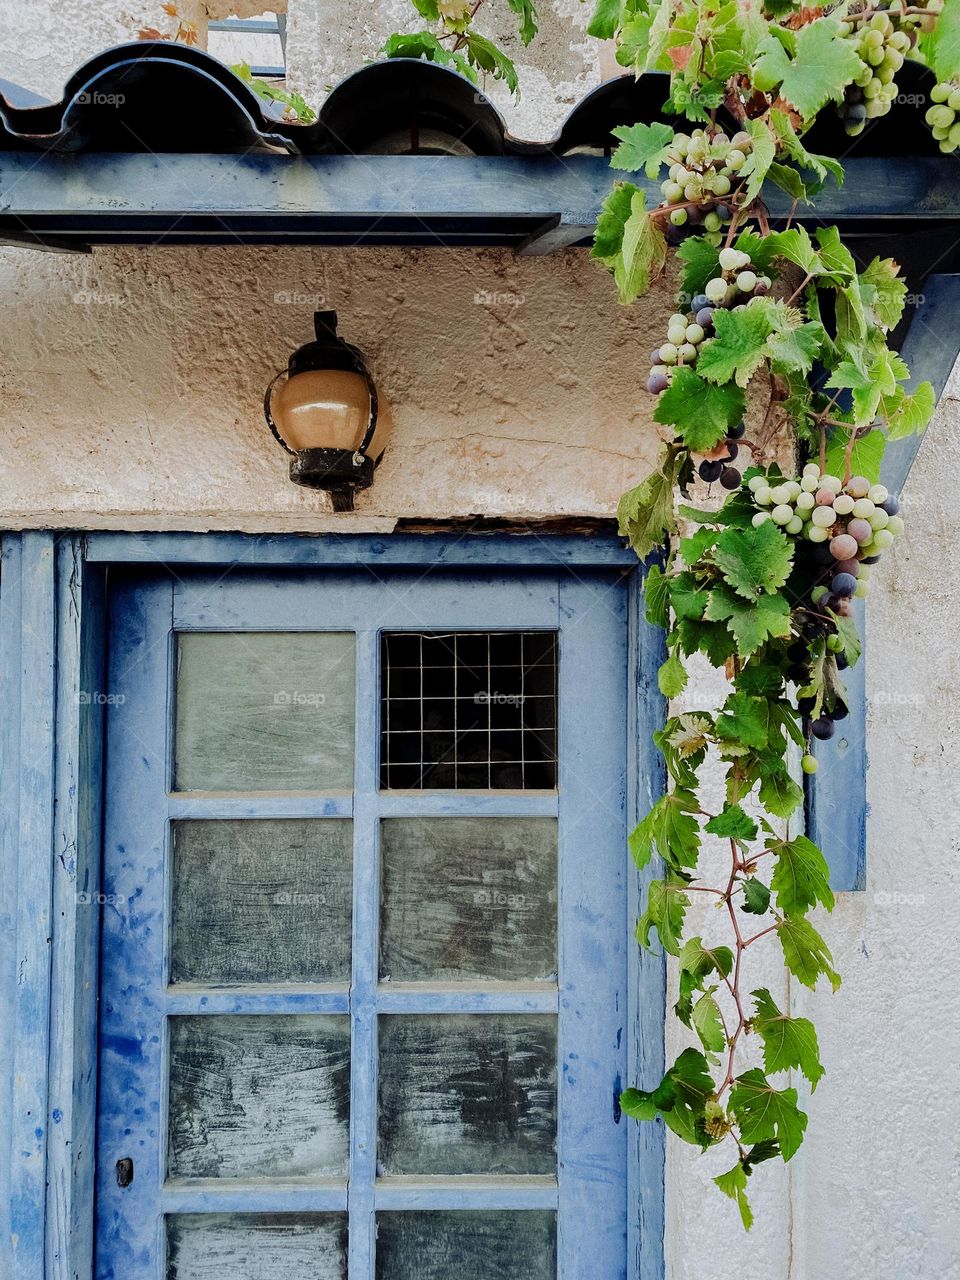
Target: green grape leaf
[
  {"x": 708, "y": 1023},
  {"x": 424, "y": 44},
  {"x": 753, "y": 561},
  {"x": 756, "y": 897},
  {"x": 796, "y": 246},
  {"x": 700, "y": 262},
  {"x": 642, "y": 146},
  {"x": 715, "y": 640},
  {"x": 666, "y": 909},
  {"x": 670, "y": 829},
  {"x": 644, "y": 252},
  {"x": 836, "y": 259},
  {"x": 700, "y": 961},
  {"x": 687, "y": 599},
  {"x": 823, "y": 65},
  {"x": 801, "y": 877},
  {"x": 689, "y": 733},
  {"x": 805, "y": 953},
  {"x": 646, "y": 512},
  {"x": 912, "y": 413},
  {"x": 428, "y": 9},
  {"x": 796, "y": 348},
  {"x": 701, "y": 413},
  {"x": 672, "y": 677},
  {"x": 942, "y": 46},
  {"x": 865, "y": 458},
  {"x": 884, "y": 293},
  {"x": 733, "y": 1184},
  {"x": 681, "y": 1098},
  {"x": 779, "y": 793},
  {"x": 656, "y": 587},
  {"x": 633, "y": 45},
  {"x": 752, "y": 622},
  {"x": 744, "y": 719},
  {"x": 606, "y": 18},
  {"x": 483, "y": 53},
  {"x": 787, "y": 1042},
  {"x": 760, "y": 159},
  {"x": 527, "y": 16},
  {"x": 693, "y": 547},
  {"x": 847, "y": 631},
  {"x": 788, "y": 180},
  {"x": 765, "y": 1113},
  {"x": 739, "y": 347},
  {"x": 765, "y": 679},
  {"x": 733, "y": 822},
  {"x": 822, "y": 166}
]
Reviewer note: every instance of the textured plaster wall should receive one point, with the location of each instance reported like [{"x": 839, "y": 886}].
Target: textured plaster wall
[{"x": 130, "y": 386}]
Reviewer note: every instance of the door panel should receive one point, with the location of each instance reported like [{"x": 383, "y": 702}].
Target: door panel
[{"x": 364, "y": 953}]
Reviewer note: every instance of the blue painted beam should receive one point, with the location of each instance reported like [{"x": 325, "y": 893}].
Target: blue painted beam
[
  {"x": 114, "y": 198},
  {"x": 837, "y": 798}
]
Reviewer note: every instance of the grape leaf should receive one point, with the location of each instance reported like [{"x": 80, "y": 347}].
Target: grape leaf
[
  {"x": 749, "y": 622},
  {"x": 912, "y": 413},
  {"x": 628, "y": 242},
  {"x": 733, "y": 1184},
  {"x": 779, "y": 793},
  {"x": 427, "y": 9},
  {"x": 847, "y": 631},
  {"x": 756, "y": 897},
  {"x": 527, "y": 15},
  {"x": 701, "y": 413},
  {"x": 693, "y": 547},
  {"x": 483, "y": 53},
  {"x": 787, "y": 1042},
  {"x": 942, "y": 47},
  {"x": 794, "y": 148},
  {"x": 739, "y": 347},
  {"x": 865, "y": 458},
  {"x": 672, "y": 677},
  {"x": 788, "y": 180},
  {"x": 700, "y": 262},
  {"x": 606, "y": 18},
  {"x": 743, "y": 719},
  {"x": 688, "y": 600},
  {"x": 805, "y": 953},
  {"x": 823, "y": 65},
  {"x": 836, "y": 259},
  {"x": 801, "y": 877},
  {"x": 642, "y": 146},
  {"x": 670, "y": 829},
  {"x": 424, "y": 44},
  {"x": 681, "y": 1098},
  {"x": 796, "y": 348},
  {"x": 700, "y": 961},
  {"x": 764, "y": 1112},
  {"x": 754, "y": 561},
  {"x": 666, "y": 908},
  {"x": 708, "y": 1023},
  {"x": 646, "y": 512},
  {"x": 760, "y": 159},
  {"x": 883, "y": 292},
  {"x": 733, "y": 822},
  {"x": 656, "y": 589}
]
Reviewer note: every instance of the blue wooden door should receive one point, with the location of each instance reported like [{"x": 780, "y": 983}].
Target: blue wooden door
[{"x": 365, "y": 940}]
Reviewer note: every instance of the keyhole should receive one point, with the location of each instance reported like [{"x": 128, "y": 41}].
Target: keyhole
[{"x": 124, "y": 1172}]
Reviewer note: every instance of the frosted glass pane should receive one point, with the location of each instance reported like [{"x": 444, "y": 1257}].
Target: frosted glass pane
[
  {"x": 261, "y": 901},
  {"x": 468, "y": 898},
  {"x": 468, "y": 1093},
  {"x": 257, "y": 1246},
  {"x": 265, "y": 711},
  {"x": 469, "y": 1246},
  {"x": 259, "y": 1096}
]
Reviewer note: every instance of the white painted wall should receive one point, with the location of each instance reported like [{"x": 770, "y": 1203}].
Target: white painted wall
[{"x": 130, "y": 384}]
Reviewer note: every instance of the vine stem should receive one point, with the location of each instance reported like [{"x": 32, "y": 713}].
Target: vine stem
[{"x": 735, "y": 985}]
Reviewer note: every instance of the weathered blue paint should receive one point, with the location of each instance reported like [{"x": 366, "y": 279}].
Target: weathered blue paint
[{"x": 837, "y": 797}]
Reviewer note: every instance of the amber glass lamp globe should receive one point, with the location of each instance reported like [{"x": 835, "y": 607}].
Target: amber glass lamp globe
[{"x": 326, "y": 411}]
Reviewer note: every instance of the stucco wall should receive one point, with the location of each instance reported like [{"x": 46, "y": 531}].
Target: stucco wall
[{"x": 130, "y": 383}]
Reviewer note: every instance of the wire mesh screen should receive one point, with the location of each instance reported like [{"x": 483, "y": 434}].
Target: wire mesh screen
[{"x": 469, "y": 710}]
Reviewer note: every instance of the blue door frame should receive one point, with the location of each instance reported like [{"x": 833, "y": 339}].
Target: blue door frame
[{"x": 52, "y": 647}]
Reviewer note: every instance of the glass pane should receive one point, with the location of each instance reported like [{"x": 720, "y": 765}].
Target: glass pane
[
  {"x": 259, "y": 1096},
  {"x": 505, "y": 1245},
  {"x": 265, "y": 711},
  {"x": 469, "y": 709},
  {"x": 261, "y": 901},
  {"x": 468, "y": 1093},
  {"x": 468, "y": 898},
  {"x": 257, "y": 1246}
]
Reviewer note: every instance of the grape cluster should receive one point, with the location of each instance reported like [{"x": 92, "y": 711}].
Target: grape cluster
[
  {"x": 847, "y": 528},
  {"x": 942, "y": 116},
  {"x": 881, "y": 45},
  {"x": 704, "y": 169},
  {"x": 688, "y": 331}
]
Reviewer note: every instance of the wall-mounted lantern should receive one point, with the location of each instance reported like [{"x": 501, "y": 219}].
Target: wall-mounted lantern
[{"x": 328, "y": 416}]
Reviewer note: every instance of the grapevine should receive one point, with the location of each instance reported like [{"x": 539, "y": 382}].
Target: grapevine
[{"x": 764, "y": 585}]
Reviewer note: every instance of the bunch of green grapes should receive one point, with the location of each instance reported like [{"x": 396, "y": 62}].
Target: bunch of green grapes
[
  {"x": 704, "y": 172},
  {"x": 881, "y": 45},
  {"x": 942, "y": 116}
]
